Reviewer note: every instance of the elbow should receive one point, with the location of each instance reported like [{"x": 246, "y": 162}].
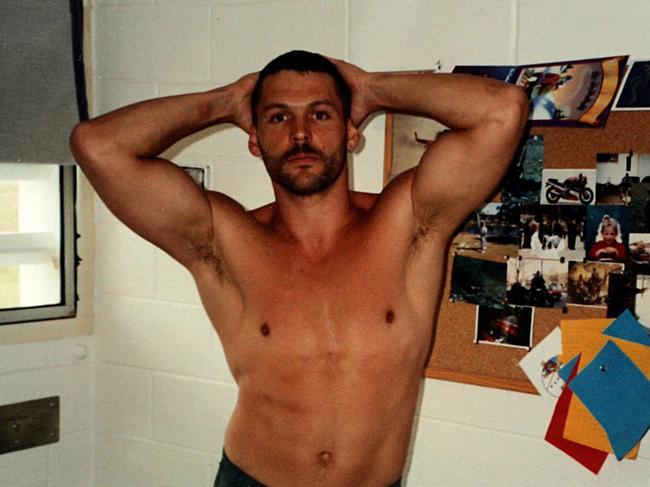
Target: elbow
[
  {"x": 86, "y": 144},
  {"x": 515, "y": 106}
]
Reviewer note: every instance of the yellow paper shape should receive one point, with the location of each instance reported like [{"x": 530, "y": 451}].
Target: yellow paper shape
[{"x": 586, "y": 337}]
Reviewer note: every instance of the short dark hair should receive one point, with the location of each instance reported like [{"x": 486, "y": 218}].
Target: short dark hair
[{"x": 303, "y": 62}]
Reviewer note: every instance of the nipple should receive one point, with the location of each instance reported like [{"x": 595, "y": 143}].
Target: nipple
[
  {"x": 265, "y": 330},
  {"x": 390, "y": 316}
]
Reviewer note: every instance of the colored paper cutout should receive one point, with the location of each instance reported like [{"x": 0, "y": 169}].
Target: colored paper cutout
[
  {"x": 586, "y": 336},
  {"x": 626, "y": 327},
  {"x": 591, "y": 458},
  {"x": 617, "y": 393},
  {"x": 567, "y": 371}
]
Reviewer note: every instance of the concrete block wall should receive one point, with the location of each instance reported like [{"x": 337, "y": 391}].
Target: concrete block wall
[
  {"x": 164, "y": 393},
  {"x": 63, "y": 368}
]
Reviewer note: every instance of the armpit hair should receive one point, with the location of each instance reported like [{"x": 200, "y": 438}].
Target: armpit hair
[
  {"x": 425, "y": 226},
  {"x": 205, "y": 253}
]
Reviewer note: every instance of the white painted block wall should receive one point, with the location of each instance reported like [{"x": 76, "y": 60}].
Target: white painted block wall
[
  {"x": 63, "y": 368},
  {"x": 164, "y": 393}
]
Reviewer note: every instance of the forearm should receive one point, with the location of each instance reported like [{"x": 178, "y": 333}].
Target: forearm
[
  {"x": 455, "y": 100},
  {"x": 145, "y": 129}
]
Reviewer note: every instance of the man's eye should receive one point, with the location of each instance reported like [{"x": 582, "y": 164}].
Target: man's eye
[
  {"x": 320, "y": 115},
  {"x": 278, "y": 117}
]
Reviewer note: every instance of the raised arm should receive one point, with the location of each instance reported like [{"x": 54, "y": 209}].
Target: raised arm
[
  {"x": 463, "y": 166},
  {"x": 119, "y": 151}
]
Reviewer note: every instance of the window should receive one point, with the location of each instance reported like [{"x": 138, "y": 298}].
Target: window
[
  {"x": 37, "y": 242},
  {"x": 44, "y": 96}
]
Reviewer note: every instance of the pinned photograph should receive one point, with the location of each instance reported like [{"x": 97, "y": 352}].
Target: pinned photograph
[
  {"x": 573, "y": 92},
  {"x": 642, "y": 302},
  {"x": 478, "y": 281},
  {"x": 640, "y": 207},
  {"x": 622, "y": 293},
  {"x": 635, "y": 94},
  {"x": 523, "y": 182},
  {"x": 615, "y": 174},
  {"x": 568, "y": 186},
  {"x": 607, "y": 234},
  {"x": 511, "y": 326},
  {"x": 588, "y": 282},
  {"x": 639, "y": 253},
  {"x": 552, "y": 232},
  {"x": 537, "y": 282},
  {"x": 492, "y": 230}
]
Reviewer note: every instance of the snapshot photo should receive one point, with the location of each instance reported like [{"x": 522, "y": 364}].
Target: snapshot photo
[
  {"x": 615, "y": 174},
  {"x": 552, "y": 232},
  {"x": 478, "y": 281},
  {"x": 573, "y": 92},
  {"x": 640, "y": 207},
  {"x": 537, "y": 282},
  {"x": 635, "y": 94},
  {"x": 492, "y": 230},
  {"x": 588, "y": 282},
  {"x": 523, "y": 182},
  {"x": 638, "y": 260},
  {"x": 511, "y": 326},
  {"x": 607, "y": 235},
  {"x": 568, "y": 186},
  {"x": 622, "y": 293}
]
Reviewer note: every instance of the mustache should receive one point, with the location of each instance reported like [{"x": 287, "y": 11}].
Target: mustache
[{"x": 301, "y": 148}]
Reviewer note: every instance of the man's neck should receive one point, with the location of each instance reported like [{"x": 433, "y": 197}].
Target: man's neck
[{"x": 317, "y": 222}]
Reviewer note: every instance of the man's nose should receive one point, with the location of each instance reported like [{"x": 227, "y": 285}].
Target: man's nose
[{"x": 300, "y": 132}]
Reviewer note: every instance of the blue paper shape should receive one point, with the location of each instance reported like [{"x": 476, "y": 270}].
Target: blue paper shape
[
  {"x": 628, "y": 328},
  {"x": 567, "y": 369},
  {"x": 617, "y": 394}
]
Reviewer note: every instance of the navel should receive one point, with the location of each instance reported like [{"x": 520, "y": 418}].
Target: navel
[
  {"x": 265, "y": 330},
  {"x": 325, "y": 457},
  {"x": 390, "y": 316}
]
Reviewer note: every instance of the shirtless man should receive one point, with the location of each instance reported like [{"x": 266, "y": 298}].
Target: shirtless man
[{"x": 324, "y": 300}]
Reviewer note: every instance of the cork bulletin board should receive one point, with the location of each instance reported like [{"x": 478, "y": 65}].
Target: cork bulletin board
[{"x": 456, "y": 355}]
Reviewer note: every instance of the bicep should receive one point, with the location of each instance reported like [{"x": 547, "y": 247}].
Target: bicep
[
  {"x": 458, "y": 172},
  {"x": 156, "y": 199}
]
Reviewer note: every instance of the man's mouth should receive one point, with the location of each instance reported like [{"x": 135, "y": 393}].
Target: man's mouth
[{"x": 302, "y": 153}]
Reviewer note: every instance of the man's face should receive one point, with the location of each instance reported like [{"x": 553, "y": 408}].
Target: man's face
[{"x": 301, "y": 132}]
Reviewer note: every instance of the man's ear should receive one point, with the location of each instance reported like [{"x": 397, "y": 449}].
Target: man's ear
[
  {"x": 253, "y": 143},
  {"x": 353, "y": 136}
]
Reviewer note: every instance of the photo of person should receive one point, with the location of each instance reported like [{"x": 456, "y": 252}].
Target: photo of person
[
  {"x": 510, "y": 326},
  {"x": 523, "y": 181},
  {"x": 552, "y": 232},
  {"x": 537, "y": 282},
  {"x": 568, "y": 186},
  {"x": 490, "y": 230},
  {"x": 607, "y": 233},
  {"x": 615, "y": 174},
  {"x": 588, "y": 282}
]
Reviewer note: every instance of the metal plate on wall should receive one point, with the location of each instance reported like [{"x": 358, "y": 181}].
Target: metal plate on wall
[{"x": 29, "y": 424}]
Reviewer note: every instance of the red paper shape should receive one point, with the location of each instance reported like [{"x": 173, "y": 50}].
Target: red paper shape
[{"x": 589, "y": 457}]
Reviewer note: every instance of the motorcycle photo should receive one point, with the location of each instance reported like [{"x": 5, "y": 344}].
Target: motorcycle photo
[{"x": 572, "y": 189}]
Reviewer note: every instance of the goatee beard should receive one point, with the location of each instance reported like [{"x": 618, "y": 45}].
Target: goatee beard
[{"x": 333, "y": 167}]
